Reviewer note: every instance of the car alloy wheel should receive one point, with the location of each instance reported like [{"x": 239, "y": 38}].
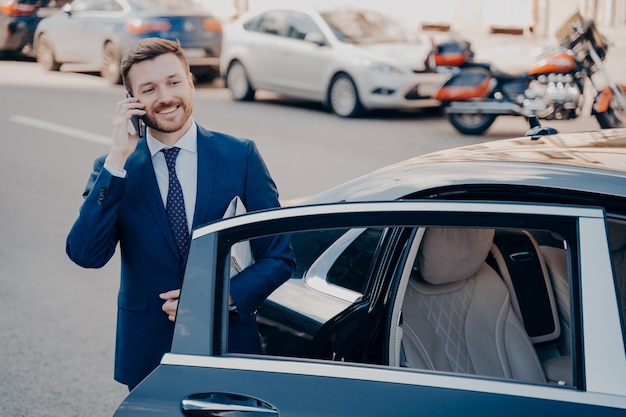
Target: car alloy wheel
[
  {"x": 343, "y": 97},
  {"x": 237, "y": 82}
]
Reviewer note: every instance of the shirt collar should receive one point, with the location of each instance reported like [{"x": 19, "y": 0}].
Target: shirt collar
[{"x": 187, "y": 142}]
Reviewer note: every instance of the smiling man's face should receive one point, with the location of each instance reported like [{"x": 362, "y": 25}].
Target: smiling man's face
[{"x": 166, "y": 89}]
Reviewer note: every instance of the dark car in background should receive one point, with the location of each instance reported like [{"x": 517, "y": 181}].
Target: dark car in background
[
  {"x": 18, "y": 21},
  {"x": 97, "y": 32},
  {"x": 483, "y": 280}
]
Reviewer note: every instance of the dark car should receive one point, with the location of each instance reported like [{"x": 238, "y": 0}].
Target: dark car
[
  {"x": 483, "y": 280},
  {"x": 18, "y": 20},
  {"x": 97, "y": 32}
]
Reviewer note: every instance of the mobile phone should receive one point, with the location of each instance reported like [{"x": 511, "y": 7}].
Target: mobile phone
[{"x": 136, "y": 120}]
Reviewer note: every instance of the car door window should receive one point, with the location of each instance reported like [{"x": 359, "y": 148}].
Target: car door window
[
  {"x": 81, "y": 5},
  {"x": 301, "y": 25},
  {"x": 273, "y": 22},
  {"x": 351, "y": 268},
  {"x": 343, "y": 264},
  {"x": 112, "y": 6},
  {"x": 463, "y": 292},
  {"x": 335, "y": 267},
  {"x": 435, "y": 316}
]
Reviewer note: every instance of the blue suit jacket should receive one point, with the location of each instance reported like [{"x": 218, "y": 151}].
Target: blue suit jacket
[{"x": 130, "y": 211}]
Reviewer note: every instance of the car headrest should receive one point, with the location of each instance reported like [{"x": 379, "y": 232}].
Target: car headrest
[
  {"x": 449, "y": 254},
  {"x": 617, "y": 235}
]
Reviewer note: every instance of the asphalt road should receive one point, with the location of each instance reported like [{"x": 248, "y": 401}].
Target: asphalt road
[{"x": 58, "y": 320}]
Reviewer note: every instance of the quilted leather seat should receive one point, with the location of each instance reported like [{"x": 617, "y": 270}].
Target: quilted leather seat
[{"x": 457, "y": 314}]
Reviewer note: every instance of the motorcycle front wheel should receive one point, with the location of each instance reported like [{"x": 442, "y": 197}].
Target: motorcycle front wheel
[
  {"x": 613, "y": 117},
  {"x": 471, "y": 124}
]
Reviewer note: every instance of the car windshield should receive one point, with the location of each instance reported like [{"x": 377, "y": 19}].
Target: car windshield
[
  {"x": 364, "y": 27},
  {"x": 160, "y": 6}
]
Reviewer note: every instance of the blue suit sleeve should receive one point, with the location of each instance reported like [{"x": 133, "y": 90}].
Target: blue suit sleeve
[
  {"x": 274, "y": 260},
  {"x": 92, "y": 240}
]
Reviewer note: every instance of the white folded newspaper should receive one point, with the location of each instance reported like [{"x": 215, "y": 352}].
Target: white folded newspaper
[{"x": 240, "y": 253}]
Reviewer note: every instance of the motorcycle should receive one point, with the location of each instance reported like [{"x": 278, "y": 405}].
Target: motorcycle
[{"x": 554, "y": 89}]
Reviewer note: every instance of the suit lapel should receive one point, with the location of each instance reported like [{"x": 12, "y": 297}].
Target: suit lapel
[
  {"x": 207, "y": 163},
  {"x": 143, "y": 171}
]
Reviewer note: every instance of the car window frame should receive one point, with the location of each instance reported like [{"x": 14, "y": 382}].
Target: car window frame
[{"x": 209, "y": 343}]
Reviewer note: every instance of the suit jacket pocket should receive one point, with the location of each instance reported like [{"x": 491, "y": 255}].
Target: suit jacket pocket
[{"x": 132, "y": 303}]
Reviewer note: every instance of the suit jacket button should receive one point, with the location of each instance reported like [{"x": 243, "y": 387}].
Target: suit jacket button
[{"x": 102, "y": 195}]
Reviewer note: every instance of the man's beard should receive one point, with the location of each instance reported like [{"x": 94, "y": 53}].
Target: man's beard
[{"x": 153, "y": 123}]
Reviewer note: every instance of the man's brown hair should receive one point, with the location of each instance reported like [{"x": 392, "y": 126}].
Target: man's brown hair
[{"x": 146, "y": 49}]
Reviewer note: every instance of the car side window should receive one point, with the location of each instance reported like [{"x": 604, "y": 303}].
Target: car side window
[
  {"x": 308, "y": 246},
  {"x": 99, "y": 5},
  {"x": 335, "y": 264},
  {"x": 113, "y": 6},
  {"x": 81, "y": 5},
  {"x": 273, "y": 22},
  {"x": 301, "y": 25},
  {"x": 351, "y": 268},
  {"x": 433, "y": 299}
]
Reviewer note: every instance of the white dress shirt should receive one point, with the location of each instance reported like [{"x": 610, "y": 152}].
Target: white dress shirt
[{"x": 186, "y": 168}]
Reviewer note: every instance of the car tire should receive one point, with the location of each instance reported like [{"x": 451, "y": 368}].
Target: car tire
[
  {"x": 238, "y": 83},
  {"x": 343, "y": 97},
  {"x": 111, "y": 60},
  {"x": 45, "y": 54}
]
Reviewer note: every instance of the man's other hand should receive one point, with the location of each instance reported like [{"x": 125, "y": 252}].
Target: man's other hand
[{"x": 171, "y": 303}]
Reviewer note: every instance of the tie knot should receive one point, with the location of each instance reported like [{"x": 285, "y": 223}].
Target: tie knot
[{"x": 170, "y": 157}]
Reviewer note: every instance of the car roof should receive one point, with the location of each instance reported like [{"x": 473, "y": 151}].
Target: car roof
[{"x": 591, "y": 162}]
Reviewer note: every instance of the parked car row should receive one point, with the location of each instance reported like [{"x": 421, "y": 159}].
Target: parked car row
[
  {"x": 18, "y": 20},
  {"x": 97, "y": 32},
  {"x": 350, "y": 59},
  {"x": 469, "y": 281}
]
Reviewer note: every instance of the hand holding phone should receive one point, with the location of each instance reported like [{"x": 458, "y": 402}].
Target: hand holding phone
[{"x": 136, "y": 120}]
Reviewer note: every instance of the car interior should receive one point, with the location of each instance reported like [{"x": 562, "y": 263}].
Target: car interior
[
  {"x": 458, "y": 314},
  {"x": 494, "y": 303},
  {"x": 486, "y": 302}
]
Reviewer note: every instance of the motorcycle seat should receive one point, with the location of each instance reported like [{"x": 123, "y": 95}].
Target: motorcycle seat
[{"x": 506, "y": 76}]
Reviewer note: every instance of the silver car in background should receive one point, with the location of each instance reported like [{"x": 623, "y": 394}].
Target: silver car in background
[
  {"x": 349, "y": 59},
  {"x": 96, "y": 33}
]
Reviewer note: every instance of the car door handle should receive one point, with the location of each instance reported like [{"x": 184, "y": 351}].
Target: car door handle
[{"x": 226, "y": 405}]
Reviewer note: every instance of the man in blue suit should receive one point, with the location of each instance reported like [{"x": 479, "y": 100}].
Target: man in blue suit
[{"x": 147, "y": 189}]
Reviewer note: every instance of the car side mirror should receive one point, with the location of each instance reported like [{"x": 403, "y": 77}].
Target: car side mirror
[
  {"x": 316, "y": 38},
  {"x": 536, "y": 130},
  {"x": 67, "y": 9}
]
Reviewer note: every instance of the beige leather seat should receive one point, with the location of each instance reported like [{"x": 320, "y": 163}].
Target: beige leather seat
[
  {"x": 457, "y": 314},
  {"x": 556, "y": 262}
]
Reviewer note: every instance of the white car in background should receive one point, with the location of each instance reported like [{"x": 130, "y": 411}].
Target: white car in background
[{"x": 349, "y": 59}]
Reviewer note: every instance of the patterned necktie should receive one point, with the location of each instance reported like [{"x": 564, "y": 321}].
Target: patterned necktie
[{"x": 175, "y": 206}]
